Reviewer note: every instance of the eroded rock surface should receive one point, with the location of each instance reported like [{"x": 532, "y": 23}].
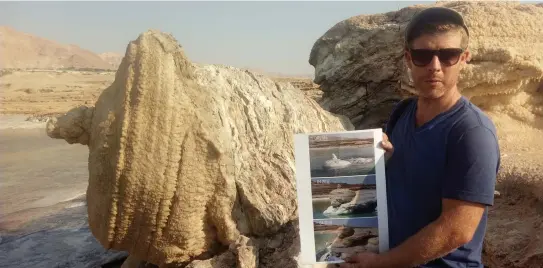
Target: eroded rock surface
[
  {"x": 193, "y": 165},
  {"x": 341, "y": 196},
  {"x": 360, "y": 67},
  {"x": 351, "y": 241}
]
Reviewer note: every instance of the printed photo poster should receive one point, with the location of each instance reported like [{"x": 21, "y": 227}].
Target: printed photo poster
[{"x": 341, "y": 195}]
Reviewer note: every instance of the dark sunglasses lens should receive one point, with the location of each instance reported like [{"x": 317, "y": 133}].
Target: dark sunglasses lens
[
  {"x": 450, "y": 56},
  {"x": 421, "y": 57}
]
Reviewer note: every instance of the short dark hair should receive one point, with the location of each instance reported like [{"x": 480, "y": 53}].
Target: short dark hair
[
  {"x": 435, "y": 20},
  {"x": 436, "y": 28}
]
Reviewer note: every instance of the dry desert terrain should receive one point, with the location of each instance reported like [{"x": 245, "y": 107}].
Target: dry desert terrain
[
  {"x": 41, "y": 93},
  {"x": 49, "y": 91}
]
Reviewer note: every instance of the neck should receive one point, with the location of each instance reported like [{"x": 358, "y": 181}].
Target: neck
[{"x": 428, "y": 108}]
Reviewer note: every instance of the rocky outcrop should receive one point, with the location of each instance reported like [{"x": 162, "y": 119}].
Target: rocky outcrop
[
  {"x": 359, "y": 66},
  {"x": 341, "y": 196},
  {"x": 359, "y": 62},
  {"x": 193, "y": 165},
  {"x": 304, "y": 84},
  {"x": 351, "y": 208},
  {"x": 322, "y": 190},
  {"x": 349, "y": 242},
  {"x": 344, "y": 203},
  {"x": 309, "y": 88}
]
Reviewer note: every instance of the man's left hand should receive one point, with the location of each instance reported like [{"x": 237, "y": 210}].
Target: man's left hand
[{"x": 362, "y": 260}]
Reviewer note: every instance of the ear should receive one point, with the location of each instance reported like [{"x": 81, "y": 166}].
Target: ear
[
  {"x": 467, "y": 55},
  {"x": 407, "y": 58}
]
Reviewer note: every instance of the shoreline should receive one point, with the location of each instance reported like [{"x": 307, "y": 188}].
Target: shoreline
[
  {"x": 335, "y": 231},
  {"x": 354, "y": 146},
  {"x": 23, "y": 121},
  {"x": 31, "y": 186}
]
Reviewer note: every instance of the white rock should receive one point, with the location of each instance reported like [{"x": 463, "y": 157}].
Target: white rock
[{"x": 184, "y": 158}]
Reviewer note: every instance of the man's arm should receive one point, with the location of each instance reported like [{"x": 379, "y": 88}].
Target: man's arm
[
  {"x": 454, "y": 228},
  {"x": 468, "y": 187}
]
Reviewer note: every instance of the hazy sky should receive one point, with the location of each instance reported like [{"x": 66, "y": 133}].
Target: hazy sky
[{"x": 268, "y": 36}]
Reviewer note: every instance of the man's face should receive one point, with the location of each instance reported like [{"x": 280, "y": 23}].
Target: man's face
[{"x": 433, "y": 78}]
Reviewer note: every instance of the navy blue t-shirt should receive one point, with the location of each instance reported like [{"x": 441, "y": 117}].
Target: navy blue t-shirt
[{"x": 456, "y": 156}]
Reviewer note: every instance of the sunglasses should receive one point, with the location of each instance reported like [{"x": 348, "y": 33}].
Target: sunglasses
[{"x": 447, "y": 56}]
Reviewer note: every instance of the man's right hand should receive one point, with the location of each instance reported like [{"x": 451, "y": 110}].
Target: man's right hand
[{"x": 387, "y": 146}]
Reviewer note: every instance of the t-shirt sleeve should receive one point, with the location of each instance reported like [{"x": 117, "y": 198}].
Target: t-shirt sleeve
[{"x": 472, "y": 165}]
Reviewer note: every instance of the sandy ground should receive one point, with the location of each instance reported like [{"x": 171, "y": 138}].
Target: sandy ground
[
  {"x": 54, "y": 92},
  {"x": 49, "y": 92},
  {"x": 514, "y": 237}
]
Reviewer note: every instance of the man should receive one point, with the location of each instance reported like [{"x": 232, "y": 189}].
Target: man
[{"x": 443, "y": 156}]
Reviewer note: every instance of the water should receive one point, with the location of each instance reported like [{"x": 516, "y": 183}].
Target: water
[
  {"x": 324, "y": 238},
  {"x": 43, "y": 213},
  {"x": 18, "y": 121},
  {"x": 351, "y": 222},
  {"x": 364, "y": 179},
  {"x": 320, "y": 205},
  {"x": 38, "y": 171},
  {"x": 319, "y": 156}
]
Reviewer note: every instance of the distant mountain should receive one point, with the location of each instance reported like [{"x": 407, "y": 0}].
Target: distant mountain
[
  {"x": 25, "y": 51},
  {"x": 112, "y": 58}
]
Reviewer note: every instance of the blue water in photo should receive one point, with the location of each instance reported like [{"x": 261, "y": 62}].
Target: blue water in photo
[
  {"x": 324, "y": 238},
  {"x": 351, "y": 222},
  {"x": 363, "y": 179},
  {"x": 319, "y": 206}
]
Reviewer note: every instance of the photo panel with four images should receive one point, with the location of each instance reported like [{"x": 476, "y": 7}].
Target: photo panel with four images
[{"x": 344, "y": 197}]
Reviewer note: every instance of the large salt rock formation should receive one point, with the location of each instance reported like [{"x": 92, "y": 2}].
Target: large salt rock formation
[
  {"x": 193, "y": 165},
  {"x": 360, "y": 67}
]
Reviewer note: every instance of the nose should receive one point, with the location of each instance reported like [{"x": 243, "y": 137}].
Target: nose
[{"x": 434, "y": 65}]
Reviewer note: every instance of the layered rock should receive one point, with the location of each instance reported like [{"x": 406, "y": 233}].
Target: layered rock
[
  {"x": 193, "y": 165},
  {"x": 360, "y": 67},
  {"x": 304, "y": 84},
  {"x": 309, "y": 88},
  {"x": 344, "y": 203},
  {"x": 341, "y": 196},
  {"x": 349, "y": 242}
]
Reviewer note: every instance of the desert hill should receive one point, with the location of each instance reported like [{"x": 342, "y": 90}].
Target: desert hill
[
  {"x": 19, "y": 50},
  {"x": 112, "y": 58}
]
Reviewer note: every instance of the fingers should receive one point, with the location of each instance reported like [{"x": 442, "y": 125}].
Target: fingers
[
  {"x": 386, "y": 145},
  {"x": 385, "y": 137}
]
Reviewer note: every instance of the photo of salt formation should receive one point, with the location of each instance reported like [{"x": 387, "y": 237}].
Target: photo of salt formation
[
  {"x": 335, "y": 243},
  {"x": 344, "y": 197},
  {"x": 346, "y": 154}
]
